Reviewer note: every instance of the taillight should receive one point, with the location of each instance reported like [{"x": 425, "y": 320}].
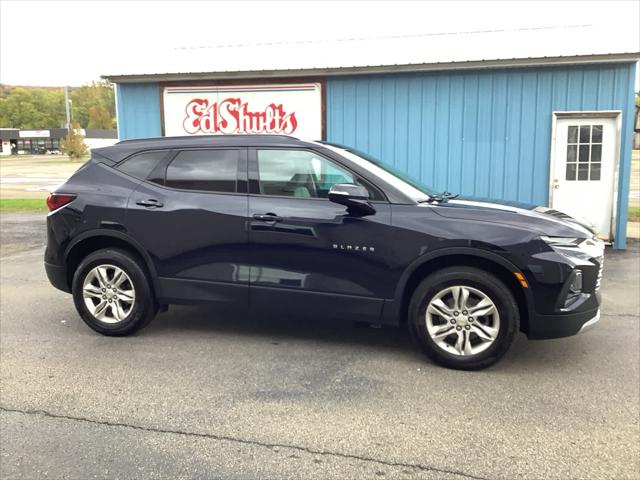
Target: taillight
[{"x": 57, "y": 200}]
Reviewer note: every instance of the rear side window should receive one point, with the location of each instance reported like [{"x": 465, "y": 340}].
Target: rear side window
[
  {"x": 141, "y": 164},
  {"x": 208, "y": 170}
]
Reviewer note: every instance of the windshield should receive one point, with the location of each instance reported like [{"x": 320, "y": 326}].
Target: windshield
[{"x": 400, "y": 180}]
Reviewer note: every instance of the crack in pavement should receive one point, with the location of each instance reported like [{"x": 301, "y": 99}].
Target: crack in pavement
[{"x": 257, "y": 443}]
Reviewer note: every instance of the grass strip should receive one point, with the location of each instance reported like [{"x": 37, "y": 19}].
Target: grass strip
[{"x": 22, "y": 205}]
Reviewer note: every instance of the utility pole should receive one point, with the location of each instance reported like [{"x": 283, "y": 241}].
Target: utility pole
[{"x": 66, "y": 106}]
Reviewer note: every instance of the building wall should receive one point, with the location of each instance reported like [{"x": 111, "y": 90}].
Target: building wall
[
  {"x": 138, "y": 110},
  {"x": 485, "y": 133}
]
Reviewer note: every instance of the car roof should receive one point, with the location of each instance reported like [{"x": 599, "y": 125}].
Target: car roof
[{"x": 125, "y": 148}]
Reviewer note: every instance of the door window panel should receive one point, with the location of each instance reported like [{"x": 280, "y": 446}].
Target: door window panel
[
  {"x": 584, "y": 152},
  {"x": 573, "y": 134},
  {"x": 596, "y": 134},
  {"x": 204, "y": 170},
  {"x": 583, "y": 171},
  {"x": 571, "y": 171},
  {"x": 301, "y": 174},
  {"x": 585, "y": 132}
]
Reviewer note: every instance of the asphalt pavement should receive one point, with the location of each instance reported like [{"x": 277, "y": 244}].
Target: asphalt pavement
[{"x": 198, "y": 394}]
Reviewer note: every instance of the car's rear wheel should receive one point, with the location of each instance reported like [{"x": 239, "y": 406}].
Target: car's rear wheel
[
  {"x": 112, "y": 293},
  {"x": 463, "y": 318}
]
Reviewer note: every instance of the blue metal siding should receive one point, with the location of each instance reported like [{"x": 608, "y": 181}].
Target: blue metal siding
[
  {"x": 138, "y": 106},
  {"x": 485, "y": 133}
]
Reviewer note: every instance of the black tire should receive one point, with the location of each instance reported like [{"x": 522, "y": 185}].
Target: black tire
[
  {"x": 477, "y": 279},
  {"x": 144, "y": 308}
]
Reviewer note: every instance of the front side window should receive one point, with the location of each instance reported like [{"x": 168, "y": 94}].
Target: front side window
[
  {"x": 204, "y": 170},
  {"x": 301, "y": 174}
]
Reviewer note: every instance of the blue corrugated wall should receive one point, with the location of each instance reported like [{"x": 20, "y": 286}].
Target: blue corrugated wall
[
  {"x": 138, "y": 110},
  {"x": 485, "y": 133}
]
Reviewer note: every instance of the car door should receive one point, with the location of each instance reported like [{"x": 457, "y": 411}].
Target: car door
[
  {"x": 190, "y": 216},
  {"x": 309, "y": 256}
]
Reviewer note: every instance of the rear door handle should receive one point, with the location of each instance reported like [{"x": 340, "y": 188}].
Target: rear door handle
[
  {"x": 151, "y": 203},
  {"x": 267, "y": 217}
]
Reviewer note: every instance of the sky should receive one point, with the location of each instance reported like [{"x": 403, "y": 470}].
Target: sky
[{"x": 53, "y": 43}]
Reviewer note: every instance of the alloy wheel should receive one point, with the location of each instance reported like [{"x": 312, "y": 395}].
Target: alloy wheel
[
  {"x": 462, "y": 320},
  {"x": 108, "y": 293}
]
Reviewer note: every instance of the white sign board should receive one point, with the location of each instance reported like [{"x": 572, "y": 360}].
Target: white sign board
[
  {"x": 286, "y": 109},
  {"x": 34, "y": 133}
]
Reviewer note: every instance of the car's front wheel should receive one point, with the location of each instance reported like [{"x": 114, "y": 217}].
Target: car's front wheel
[
  {"x": 112, "y": 294},
  {"x": 463, "y": 318}
]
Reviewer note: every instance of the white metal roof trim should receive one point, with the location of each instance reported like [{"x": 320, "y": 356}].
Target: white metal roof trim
[{"x": 429, "y": 49}]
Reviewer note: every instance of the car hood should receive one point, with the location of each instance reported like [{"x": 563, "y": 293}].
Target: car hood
[{"x": 545, "y": 221}]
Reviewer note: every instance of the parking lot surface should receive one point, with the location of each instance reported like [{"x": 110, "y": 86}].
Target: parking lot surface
[
  {"x": 198, "y": 394},
  {"x": 33, "y": 176}
]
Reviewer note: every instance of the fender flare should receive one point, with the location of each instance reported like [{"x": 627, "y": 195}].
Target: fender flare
[
  {"x": 451, "y": 251},
  {"x": 95, "y": 233}
]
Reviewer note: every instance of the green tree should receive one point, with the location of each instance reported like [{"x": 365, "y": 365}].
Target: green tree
[
  {"x": 99, "y": 117},
  {"x": 31, "y": 108},
  {"x": 92, "y": 106},
  {"x": 73, "y": 144}
]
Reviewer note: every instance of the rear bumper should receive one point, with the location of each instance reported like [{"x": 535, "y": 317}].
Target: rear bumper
[
  {"x": 564, "y": 325},
  {"x": 57, "y": 275}
]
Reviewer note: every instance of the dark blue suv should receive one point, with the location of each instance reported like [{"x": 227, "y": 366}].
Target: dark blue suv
[{"x": 269, "y": 224}]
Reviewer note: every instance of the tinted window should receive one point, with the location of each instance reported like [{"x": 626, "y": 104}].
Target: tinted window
[
  {"x": 210, "y": 170},
  {"x": 301, "y": 173},
  {"x": 140, "y": 165}
]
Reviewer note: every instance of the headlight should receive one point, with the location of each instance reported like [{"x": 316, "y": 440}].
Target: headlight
[
  {"x": 592, "y": 247},
  {"x": 566, "y": 242}
]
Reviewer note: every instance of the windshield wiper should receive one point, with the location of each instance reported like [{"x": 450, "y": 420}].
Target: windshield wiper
[{"x": 439, "y": 197}]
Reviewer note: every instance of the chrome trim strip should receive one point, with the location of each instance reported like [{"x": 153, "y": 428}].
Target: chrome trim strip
[{"x": 589, "y": 325}]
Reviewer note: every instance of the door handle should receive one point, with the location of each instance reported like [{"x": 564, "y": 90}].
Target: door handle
[
  {"x": 267, "y": 217},
  {"x": 151, "y": 203}
]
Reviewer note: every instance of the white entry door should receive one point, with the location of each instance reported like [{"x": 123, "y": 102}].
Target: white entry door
[{"x": 583, "y": 173}]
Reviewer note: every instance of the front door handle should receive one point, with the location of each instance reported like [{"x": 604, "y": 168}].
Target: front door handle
[
  {"x": 151, "y": 203},
  {"x": 267, "y": 217}
]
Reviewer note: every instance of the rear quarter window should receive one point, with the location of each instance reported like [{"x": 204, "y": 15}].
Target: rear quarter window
[{"x": 141, "y": 165}]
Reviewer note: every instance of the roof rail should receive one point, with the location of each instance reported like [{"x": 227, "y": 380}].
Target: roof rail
[{"x": 200, "y": 137}]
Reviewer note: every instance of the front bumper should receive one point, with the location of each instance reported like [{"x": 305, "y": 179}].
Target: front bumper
[
  {"x": 590, "y": 323},
  {"x": 562, "y": 307},
  {"x": 562, "y": 325}
]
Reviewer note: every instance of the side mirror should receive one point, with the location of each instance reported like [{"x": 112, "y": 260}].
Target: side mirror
[{"x": 354, "y": 197}]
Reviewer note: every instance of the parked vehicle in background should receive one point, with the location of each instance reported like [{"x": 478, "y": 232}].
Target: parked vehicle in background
[{"x": 273, "y": 224}]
